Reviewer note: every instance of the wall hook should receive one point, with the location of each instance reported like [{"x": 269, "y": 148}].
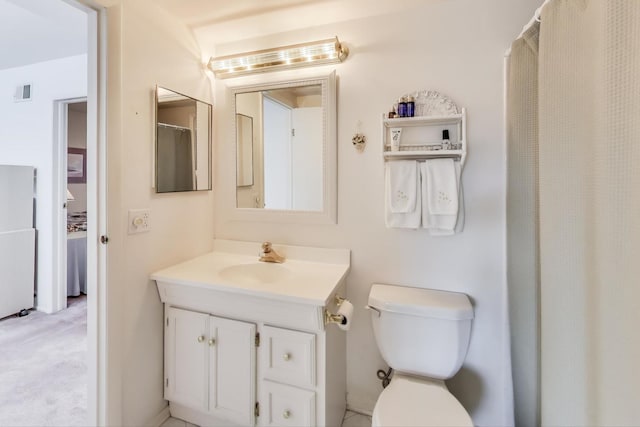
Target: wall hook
[{"x": 359, "y": 141}]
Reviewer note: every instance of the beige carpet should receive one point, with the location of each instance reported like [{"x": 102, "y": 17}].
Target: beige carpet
[{"x": 43, "y": 369}]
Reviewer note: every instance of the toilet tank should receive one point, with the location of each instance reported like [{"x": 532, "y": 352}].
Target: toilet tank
[{"x": 423, "y": 332}]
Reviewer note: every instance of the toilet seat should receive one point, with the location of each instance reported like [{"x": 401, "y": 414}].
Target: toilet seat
[{"x": 410, "y": 401}]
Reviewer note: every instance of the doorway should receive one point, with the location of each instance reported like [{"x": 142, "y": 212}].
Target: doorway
[
  {"x": 45, "y": 44},
  {"x": 95, "y": 177},
  {"x": 71, "y": 256}
]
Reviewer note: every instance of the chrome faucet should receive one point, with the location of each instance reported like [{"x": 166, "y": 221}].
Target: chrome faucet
[{"x": 268, "y": 254}]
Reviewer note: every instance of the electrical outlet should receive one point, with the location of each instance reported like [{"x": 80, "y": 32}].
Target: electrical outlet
[{"x": 139, "y": 220}]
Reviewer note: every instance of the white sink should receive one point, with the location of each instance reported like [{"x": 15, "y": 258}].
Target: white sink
[
  {"x": 257, "y": 273},
  {"x": 308, "y": 275}
]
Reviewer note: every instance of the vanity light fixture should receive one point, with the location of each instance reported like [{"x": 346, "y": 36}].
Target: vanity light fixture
[{"x": 329, "y": 51}]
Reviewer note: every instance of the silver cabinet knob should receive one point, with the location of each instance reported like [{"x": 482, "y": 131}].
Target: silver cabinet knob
[
  {"x": 212, "y": 342},
  {"x": 286, "y": 356},
  {"x": 286, "y": 414},
  {"x": 201, "y": 338}
]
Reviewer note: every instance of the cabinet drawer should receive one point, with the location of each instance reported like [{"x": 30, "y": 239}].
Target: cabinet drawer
[
  {"x": 289, "y": 356},
  {"x": 287, "y": 406}
]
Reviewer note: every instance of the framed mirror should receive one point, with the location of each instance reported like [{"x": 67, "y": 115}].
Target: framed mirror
[
  {"x": 289, "y": 169},
  {"x": 182, "y": 143}
]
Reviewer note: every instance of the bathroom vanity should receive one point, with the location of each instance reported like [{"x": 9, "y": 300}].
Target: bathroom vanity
[{"x": 246, "y": 342}]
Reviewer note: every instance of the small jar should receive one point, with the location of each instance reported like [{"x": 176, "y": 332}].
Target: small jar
[
  {"x": 402, "y": 107},
  {"x": 411, "y": 106}
]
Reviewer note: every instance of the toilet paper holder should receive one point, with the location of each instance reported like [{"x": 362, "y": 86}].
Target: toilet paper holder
[{"x": 332, "y": 317}]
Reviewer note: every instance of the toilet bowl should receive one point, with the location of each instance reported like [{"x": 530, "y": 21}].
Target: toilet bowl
[
  {"x": 410, "y": 401},
  {"x": 423, "y": 335}
]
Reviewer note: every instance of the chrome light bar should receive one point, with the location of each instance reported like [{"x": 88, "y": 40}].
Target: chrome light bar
[{"x": 329, "y": 51}]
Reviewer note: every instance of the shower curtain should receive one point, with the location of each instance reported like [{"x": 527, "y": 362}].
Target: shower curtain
[
  {"x": 174, "y": 159},
  {"x": 589, "y": 212},
  {"x": 523, "y": 264}
]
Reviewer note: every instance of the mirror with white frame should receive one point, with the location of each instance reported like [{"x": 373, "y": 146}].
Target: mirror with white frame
[
  {"x": 183, "y": 143},
  {"x": 291, "y": 168}
]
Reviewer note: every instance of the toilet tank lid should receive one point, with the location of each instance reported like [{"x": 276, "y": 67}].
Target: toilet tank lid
[{"x": 421, "y": 302}]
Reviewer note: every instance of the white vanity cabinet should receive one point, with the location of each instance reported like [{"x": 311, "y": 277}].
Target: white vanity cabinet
[
  {"x": 210, "y": 364},
  {"x": 223, "y": 371},
  {"x": 255, "y": 351}
]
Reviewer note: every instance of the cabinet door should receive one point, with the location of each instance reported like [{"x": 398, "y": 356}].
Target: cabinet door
[
  {"x": 186, "y": 355},
  {"x": 232, "y": 384},
  {"x": 287, "y": 406},
  {"x": 289, "y": 356}
]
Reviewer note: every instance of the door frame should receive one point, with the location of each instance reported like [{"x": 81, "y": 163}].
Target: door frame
[{"x": 97, "y": 360}]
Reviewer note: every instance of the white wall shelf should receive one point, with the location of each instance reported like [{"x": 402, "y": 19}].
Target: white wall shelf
[
  {"x": 423, "y": 120},
  {"x": 421, "y": 135}
]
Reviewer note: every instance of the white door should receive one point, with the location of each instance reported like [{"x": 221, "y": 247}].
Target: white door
[
  {"x": 186, "y": 352},
  {"x": 277, "y": 154},
  {"x": 232, "y": 383},
  {"x": 306, "y": 159}
]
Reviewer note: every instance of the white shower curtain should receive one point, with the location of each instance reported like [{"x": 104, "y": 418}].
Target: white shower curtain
[
  {"x": 589, "y": 213},
  {"x": 523, "y": 264}
]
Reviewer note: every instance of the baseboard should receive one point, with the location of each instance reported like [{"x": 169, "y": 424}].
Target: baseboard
[
  {"x": 361, "y": 404},
  {"x": 160, "y": 418},
  {"x": 361, "y": 411}
]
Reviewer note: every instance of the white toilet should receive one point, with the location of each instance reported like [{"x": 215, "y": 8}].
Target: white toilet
[{"x": 423, "y": 335}]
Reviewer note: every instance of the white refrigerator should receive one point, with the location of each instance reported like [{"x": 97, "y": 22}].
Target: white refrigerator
[{"x": 17, "y": 239}]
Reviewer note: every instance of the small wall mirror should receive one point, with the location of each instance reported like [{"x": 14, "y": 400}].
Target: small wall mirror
[
  {"x": 183, "y": 143},
  {"x": 286, "y": 148}
]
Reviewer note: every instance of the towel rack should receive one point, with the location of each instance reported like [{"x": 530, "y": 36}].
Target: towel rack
[{"x": 421, "y": 136}]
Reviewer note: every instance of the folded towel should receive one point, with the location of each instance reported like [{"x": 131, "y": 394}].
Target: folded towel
[
  {"x": 459, "y": 222},
  {"x": 402, "y": 220},
  {"x": 442, "y": 187},
  {"x": 403, "y": 185},
  {"x": 445, "y": 224}
]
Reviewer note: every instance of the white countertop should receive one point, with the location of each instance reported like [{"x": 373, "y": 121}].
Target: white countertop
[{"x": 312, "y": 273}]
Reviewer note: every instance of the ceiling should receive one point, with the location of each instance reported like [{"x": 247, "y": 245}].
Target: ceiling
[
  {"x": 196, "y": 13},
  {"x": 216, "y": 22},
  {"x": 33, "y": 31},
  {"x": 40, "y": 30}
]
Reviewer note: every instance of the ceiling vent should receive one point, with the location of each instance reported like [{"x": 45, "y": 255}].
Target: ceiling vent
[{"x": 23, "y": 93}]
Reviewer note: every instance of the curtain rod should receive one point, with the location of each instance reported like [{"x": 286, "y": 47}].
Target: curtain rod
[
  {"x": 173, "y": 126},
  {"x": 536, "y": 18},
  {"x": 531, "y": 23}
]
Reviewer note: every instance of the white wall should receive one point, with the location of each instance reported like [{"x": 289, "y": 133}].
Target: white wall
[
  {"x": 26, "y": 138},
  {"x": 146, "y": 47},
  {"x": 456, "y": 47}
]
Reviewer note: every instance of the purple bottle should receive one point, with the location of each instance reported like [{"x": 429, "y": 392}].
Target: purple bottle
[
  {"x": 411, "y": 107},
  {"x": 402, "y": 107}
]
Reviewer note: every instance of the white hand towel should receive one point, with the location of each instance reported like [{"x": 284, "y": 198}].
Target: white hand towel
[
  {"x": 459, "y": 221},
  {"x": 448, "y": 223},
  {"x": 403, "y": 185},
  {"x": 402, "y": 220},
  {"x": 442, "y": 187}
]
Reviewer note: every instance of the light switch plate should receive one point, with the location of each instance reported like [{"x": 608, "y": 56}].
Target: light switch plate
[{"x": 139, "y": 220}]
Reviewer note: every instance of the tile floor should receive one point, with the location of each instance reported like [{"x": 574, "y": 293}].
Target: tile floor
[{"x": 351, "y": 419}]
